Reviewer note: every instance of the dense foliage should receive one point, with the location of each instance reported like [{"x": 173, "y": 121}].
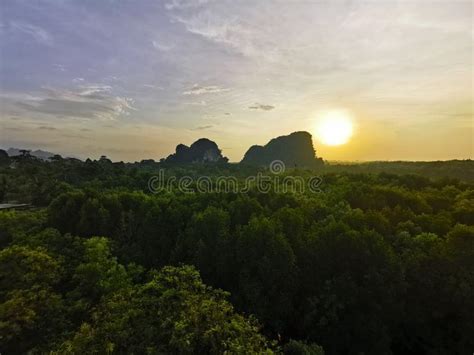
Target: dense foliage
[{"x": 374, "y": 264}]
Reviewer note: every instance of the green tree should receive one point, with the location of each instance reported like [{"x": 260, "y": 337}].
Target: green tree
[
  {"x": 265, "y": 270},
  {"x": 173, "y": 313},
  {"x": 295, "y": 347},
  {"x": 32, "y": 314},
  {"x": 352, "y": 285},
  {"x": 99, "y": 273}
]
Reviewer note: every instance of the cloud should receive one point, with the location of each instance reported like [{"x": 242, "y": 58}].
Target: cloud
[
  {"x": 184, "y": 4},
  {"x": 38, "y": 33},
  {"x": 196, "y": 103},
  {"x": 59, "y": 67},
  {"x": 161, "y": 46},
  {"x": 47, "y": 128},
  {"x": 202, "y": 128},
  {"x": 151, "y": 86},
  {"x": 92, "y": 90},
  {"x": 199, "y": 90},
  {"x": 112, "y": 78},
  {"x": 237, "y": 34},
  {"x": 91, "y": 101},
  {"x": 77, "y": 80},
  {"x": 262, "y": 107},
  {"x": 13, "y": 128}
]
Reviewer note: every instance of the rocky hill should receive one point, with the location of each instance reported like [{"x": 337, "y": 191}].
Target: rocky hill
[
  {"x": 295, "y": 150},
  {"x": 201, "y": 151}
]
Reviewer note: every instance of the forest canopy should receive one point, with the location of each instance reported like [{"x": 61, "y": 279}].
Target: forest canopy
[{"x": 375, "y": 263}]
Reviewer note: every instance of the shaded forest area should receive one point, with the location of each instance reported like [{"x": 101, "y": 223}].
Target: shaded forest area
[{"x": 377, "y": 263}]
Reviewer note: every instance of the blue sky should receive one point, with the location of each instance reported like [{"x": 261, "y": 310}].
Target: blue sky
[{"x": 132, "y": 79}]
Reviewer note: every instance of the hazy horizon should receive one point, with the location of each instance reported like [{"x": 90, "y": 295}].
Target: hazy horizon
[
  {"x": 157, "y": 158},
  {"x": 132, "y": 79}
]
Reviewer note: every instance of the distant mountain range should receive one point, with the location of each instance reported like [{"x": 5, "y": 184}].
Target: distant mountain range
[
  {"x": 294, "y": 150},
  {"x": 41, "y": 154}
]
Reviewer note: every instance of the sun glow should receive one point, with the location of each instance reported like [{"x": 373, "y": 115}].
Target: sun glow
[{"x": 334, "y": 128}]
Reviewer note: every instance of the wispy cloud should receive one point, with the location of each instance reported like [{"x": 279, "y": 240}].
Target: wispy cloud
[
  {"x": 184, "y": 4},
  {"x": 151, "y": 86},
  {"x": 13, "y": 128},
  {"x": 202, "y": 128},
  {"x": 200, "y": 90},
  {"x": 59, "y": 67},
  {"x": 162, "y": 46},
  {"x": 47, "y": 128},
  {"x": 94, "y": 89},
  {"x": 88, "y": 101},
  {"x": 196, "y": 103},
  {"x": 112, "y": 78},
  {"x": 262, "y": 107},
  {"x": 235, "y": 34},
  {"x": 38, "y": 33}
]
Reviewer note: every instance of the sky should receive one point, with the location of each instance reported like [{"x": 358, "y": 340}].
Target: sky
[{"x": 132, "y": 79}]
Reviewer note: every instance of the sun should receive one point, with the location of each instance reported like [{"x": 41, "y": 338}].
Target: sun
[{"x": 334, "y": 127}]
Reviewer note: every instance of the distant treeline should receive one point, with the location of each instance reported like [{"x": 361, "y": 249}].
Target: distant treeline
[
  {"x": 31, "y": 180},
  {"x": 458, "y": 169}
]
